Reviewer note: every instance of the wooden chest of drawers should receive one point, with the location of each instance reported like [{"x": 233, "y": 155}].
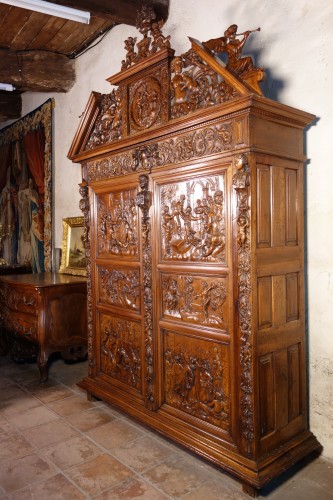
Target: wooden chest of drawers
[{"x": 41, "y": 314}]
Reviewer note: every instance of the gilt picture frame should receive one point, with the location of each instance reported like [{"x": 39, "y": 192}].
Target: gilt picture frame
[{"x": 73, "y": 256}]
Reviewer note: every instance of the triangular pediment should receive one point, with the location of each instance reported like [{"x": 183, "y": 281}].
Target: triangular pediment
[{"x": 154, "y": 87}]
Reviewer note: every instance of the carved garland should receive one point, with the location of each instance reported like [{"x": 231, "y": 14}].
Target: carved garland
[
  {"x": 143, "y": 201},
  {"x": 84, "y": 207},
  {"x": 196, "y": 144},
  {"x": 241, "y": 185}
]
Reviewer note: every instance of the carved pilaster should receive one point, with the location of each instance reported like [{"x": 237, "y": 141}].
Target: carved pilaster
[
  {"x": 241, "y": 185},
  {"x": 85, "y": 208},
  {"x": 143, "y": 201}
]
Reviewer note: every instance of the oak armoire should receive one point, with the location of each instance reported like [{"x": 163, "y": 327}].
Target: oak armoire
[{"x": 192, "y": 196}]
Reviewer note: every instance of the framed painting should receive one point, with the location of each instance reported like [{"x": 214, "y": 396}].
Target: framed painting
[{"x": 73, "y": 255}]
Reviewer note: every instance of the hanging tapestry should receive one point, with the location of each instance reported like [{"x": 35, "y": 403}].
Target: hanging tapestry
[{"x": 26, "y": 189}]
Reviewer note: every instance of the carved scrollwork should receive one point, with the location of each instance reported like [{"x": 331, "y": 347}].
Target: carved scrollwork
[
  {"x": 120, "y": 350},
  {"x": 194, "y": 299},
  {"x": 193, "y": 220},
  {"x": 107, "y": 127},
  {"x": 241, "y": 185},
  {"x": 117, "y": 224},
  {"x": 120, "y": 287},
  {"x": 196, "y": 381},
  {"x": 195, "y": 144},
  {"x": 143, "y": 201},
  {"x": 20, "y": 300},
  {"x": 195, "y": 85}
]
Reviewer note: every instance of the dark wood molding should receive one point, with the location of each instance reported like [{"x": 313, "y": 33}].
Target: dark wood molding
[
  {"x": 10, "y": 106},
  {"x": 37, "y": 70},
  {"x": 119, "y": 11}
]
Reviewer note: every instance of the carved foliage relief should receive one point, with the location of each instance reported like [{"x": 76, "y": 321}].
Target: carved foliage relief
[
  {"x": 193, "y": 220},
  {"x": 117, "y": 220},
  {"x": 107, "y": 127},
  {"x": 120, "y": 349},
  {"x": 195, "y": 144},
  {"x": 195, "y": 299},
  {"x": 120, "y": 287},
  {"x": 196, "y": 376},
  {"x": 195, "y": 85},
  {"x": 241, "y": 185}
]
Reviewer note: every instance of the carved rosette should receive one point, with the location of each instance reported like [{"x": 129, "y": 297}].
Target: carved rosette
[
  {"x": 195, "y": 144},
  {"x": 85, "y": 209},
  {"x": 143, "y": 201},
  {"x": 241, "y": 185}
]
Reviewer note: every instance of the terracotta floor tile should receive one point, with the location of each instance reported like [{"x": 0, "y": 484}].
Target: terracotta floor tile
[
  {"x": 72, "y": 451},
  {"x": 18, "y": 473},
  {"x": 54, "y": 394},
  {"x": 68, "y": 406},
  {"x": 50, "y": 433},
  {"x": 99, "y": 474},
  {"x": 33, "y": 417},
  {"x": 55, "y": 488},
  {"x": 134, "y": 488},
  {"x": 176, "y": 477},
  {"x": 18, "y": 404},
  {"x": 14, "y": 445},
  {"x": 36, "y": 386},
  {"x": 90, "y": 419},
  {"x": 142, "y": 454},
  {"x": 216, "y": 490},
  {"x": 115, "y": 433}
]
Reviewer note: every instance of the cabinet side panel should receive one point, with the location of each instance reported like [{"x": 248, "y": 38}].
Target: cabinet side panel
[
  {"x": 267, "y": 394},
  {"x": 264, "y": 206}
]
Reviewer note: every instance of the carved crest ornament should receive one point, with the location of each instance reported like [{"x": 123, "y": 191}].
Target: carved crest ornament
[{"x": 192, "y": 222}]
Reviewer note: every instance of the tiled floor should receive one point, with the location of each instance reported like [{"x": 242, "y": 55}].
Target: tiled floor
[{"x": 55, "y": 444}]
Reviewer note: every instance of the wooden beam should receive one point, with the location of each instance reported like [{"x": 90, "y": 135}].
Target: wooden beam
[
  {"x": 10, "y": 106},
  {"x": 37, "y": 70},
  {"x": 120, "y": 11}
]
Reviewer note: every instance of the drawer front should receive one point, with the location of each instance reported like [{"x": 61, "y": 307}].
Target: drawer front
[
  {"x": 21, "y": 299},
  {"x": 23, "y": 325}
]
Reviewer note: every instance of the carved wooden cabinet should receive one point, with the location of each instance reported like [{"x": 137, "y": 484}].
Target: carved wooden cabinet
[
  {"x": 192, "y": 196},
  {"x": 41, "y": 314}
]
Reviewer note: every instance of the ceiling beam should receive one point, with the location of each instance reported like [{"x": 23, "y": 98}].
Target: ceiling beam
[
  {"x": 37, "y": 71},
  {"x": 10, "y": 106},
  {"x": 120, "y": 11}
]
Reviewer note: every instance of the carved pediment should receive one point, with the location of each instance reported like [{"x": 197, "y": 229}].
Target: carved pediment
[{"x": 155, "y": 87}]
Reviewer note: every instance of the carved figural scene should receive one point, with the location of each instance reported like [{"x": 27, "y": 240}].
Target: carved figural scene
[
  {"x": 184, "y": 85},
  {"x": 193, "y": 220},
  {"x": 117, "y": 224},
  {"x": 121, "y": 349},
  {"x": 197, "y": 378}
]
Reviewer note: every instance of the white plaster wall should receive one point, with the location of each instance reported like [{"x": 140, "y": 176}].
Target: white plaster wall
[{"x": 295, "y": 46}]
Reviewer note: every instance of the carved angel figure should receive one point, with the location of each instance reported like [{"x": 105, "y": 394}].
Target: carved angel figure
[{"x": 233, "y": 47}]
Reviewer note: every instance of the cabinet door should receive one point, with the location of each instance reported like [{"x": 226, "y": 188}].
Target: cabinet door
[
  {"x": 193, "y": 303},
  {"x": 116, "y": 289}
]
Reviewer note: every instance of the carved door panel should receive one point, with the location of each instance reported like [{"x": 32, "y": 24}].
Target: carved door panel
[
  {"x": 194, "y": 300},
  {"x": 117, "y": 290}
]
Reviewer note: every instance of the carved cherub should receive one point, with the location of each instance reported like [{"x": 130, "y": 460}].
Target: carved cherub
[
  {"x": 159, "y": 40},
  {"x": 131, "y": 56}
]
